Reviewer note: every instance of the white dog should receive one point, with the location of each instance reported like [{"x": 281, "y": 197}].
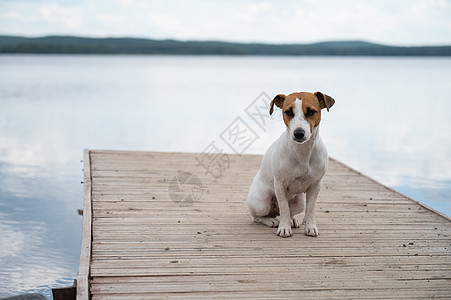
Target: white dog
[{"x": 289, "y": 178}]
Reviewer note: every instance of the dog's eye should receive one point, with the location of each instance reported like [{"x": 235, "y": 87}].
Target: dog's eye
[
  {"x": 289, "y": 113},
  {"x": 310, "y": 112}
]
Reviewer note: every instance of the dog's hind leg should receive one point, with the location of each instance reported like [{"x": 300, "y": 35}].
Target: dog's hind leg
[
  {"x": 269, "y": 217},
  {"x": 263, "y": 207}
]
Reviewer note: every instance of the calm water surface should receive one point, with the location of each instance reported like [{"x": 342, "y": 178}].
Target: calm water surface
[{"x": 391, "y": 122}]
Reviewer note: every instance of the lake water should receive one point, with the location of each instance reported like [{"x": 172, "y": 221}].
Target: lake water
[{"x": 390, "y": 121}]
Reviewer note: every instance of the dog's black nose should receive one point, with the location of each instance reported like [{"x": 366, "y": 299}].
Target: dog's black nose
[{"x": 299, "y": 133}]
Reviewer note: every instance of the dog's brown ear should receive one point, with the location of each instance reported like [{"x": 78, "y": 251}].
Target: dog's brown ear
[
  {"x": 278, "y": 101},
  {"x": 325, "y": 101}
]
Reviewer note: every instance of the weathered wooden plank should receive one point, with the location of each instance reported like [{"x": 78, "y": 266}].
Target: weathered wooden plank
[
  {"x": 209, "y": 219},
  {"x": 406, "y": 293},
  {"x": 269, "y": 278},
  {"x": 269, "y": 285}
]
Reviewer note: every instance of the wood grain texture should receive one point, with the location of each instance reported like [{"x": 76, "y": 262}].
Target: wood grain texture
[{"x": 374, "y": 242}]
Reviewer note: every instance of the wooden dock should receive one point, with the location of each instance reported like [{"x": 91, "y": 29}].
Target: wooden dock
[{"x": 147, "y": 235}]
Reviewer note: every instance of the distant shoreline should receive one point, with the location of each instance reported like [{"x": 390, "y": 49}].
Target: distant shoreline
[{"x": 83, "y": 45}]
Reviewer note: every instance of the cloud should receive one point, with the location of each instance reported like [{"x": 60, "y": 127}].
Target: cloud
[
  {"x": 254, "y": 11},
  {"x": 126, "y": 2},
  {"x": 69, "y": 17},
  {"x": 424, "y": 7},
  {"x": 109, "y": 18},
  {"x": 13, "y": 16},
  {"x": 164, "y": 22}
]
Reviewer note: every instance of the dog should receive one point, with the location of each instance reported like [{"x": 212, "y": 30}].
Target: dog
[{"x": 289, "y": 178}]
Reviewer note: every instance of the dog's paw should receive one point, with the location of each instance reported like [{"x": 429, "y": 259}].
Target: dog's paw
[
  {"x": 270, "y": 222},
  {"x": 295, "y": 223},
  {"x": 311, "y": 229},
  {"x": 284, "y": 231}
]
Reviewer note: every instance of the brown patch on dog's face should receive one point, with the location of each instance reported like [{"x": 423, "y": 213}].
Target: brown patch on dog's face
[
  {"x": 288, "y": 109},
  {"x": 311, "y": 109},
  {"x": 311, "y": 106}
]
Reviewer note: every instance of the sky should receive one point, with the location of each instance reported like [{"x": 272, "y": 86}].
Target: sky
[{"x": 393, "y": 22}]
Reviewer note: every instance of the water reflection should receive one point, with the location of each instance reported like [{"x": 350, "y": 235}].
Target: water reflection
[
  {"x": 27, "y": 262},
  {"x": 31, "y": 252},
  {"x": 435, "y": 195},
  {"x": 40, "y": 231}
]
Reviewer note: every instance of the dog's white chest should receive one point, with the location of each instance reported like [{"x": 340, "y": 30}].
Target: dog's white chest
[{"x": 300, "y": 180}]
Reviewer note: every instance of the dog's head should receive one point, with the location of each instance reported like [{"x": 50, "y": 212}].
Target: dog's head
[{"x": 302, "y": 112}]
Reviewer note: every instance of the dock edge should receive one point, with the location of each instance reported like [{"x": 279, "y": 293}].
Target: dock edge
[
  {"x": 395, "y": 191},
  {"x": 85, "y": 255}
]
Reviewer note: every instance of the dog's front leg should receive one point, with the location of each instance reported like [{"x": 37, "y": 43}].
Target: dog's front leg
[
  {"x": 284, "y": 229},
  {"x": 309, "y": 219}
]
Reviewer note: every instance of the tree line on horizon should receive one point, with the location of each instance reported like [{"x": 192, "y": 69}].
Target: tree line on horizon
[{"x": 82, "y": 45}]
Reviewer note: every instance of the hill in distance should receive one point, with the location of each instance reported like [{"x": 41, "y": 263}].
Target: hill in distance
[{"x": 83, "y": 45}]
